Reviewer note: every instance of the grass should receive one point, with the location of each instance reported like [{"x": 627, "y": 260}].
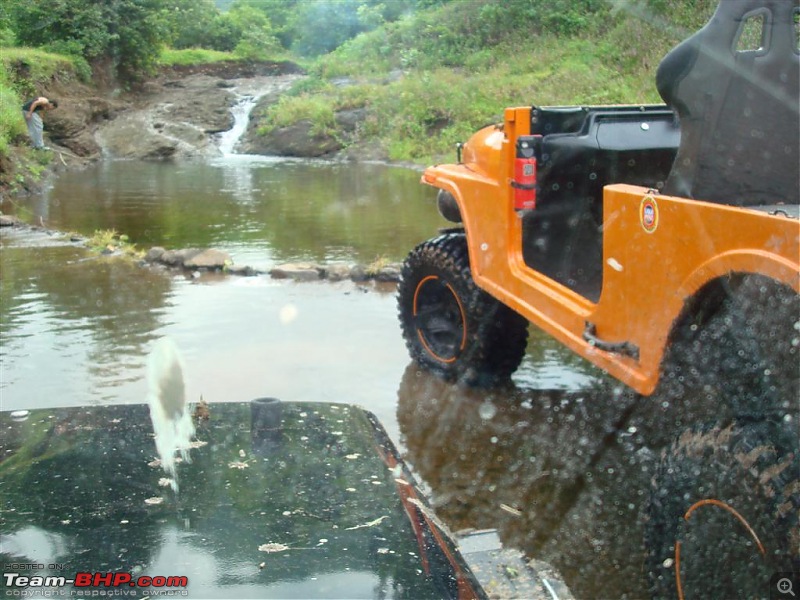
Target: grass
[
  {"x": 421, "y": 115},
  {"x": 23, "y": 73},
  {"x": 12, "y": 124},
  {"x": 193, "y": 56},
  {"x": 319, "y": 109},
  {"x": 377, "y": 265},
  {"x": 33, "y": 67},
  {"x": 451, "y": 73},
  {"x": 427, "y": 109},
  {"x": 109, "y": 241}
]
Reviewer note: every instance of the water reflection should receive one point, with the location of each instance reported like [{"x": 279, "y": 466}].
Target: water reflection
[
  {"x": 315, "y": 516},
  {"x": 554, "y": 470},
  {"x": 261, "y": 210},
  {"x": 63, "y": 307}
]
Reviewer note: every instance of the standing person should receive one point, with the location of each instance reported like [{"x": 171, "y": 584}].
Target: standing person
[{"x": 30, "y": 111}]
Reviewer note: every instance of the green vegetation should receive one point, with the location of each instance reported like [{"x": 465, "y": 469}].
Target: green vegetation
[
  {"x": 111, "y": 242},
  {"x": 427, "y": 72},
  {"x": 377, "y": 265},
  {"x": 457, "y": 65},
  {"x": 193, "y": 56},
  {"x": 12, "y": 125},
  {"x": 22, "y": 73}
]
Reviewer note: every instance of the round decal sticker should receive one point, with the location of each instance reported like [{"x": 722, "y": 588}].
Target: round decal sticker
[{"x": 648, "y": 214}]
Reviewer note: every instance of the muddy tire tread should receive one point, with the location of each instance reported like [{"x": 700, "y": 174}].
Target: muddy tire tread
[{"x": 712, "y": 462}]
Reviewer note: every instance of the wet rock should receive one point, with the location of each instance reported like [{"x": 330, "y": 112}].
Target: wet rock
[
  {"x": 295, "y": 140},
  {"x": 181, "y": 118},
  {"x": 337, "y": 272},
  {"x": 82, "y": 145},
  {"x": 195, "y": 259},
  {"x": 154, "y": 254},
  {"x": 208, "y": 110},
  {"x": 177, "y": 258},
  {"x": 8, "y": 221},
  {"x": 173, "y": 123},
  {"x": 131, "y": 137},
  {"x": 74, "y": 117},
  {"x": 297, "y": 271},
  {"x": 349, "y": 120},
  {"x": 160, "y": 150},
  {"x": 388, "y": 273},
  {"x": 72, "y": 125},
  {"x": 359, "y": 273},
  {"x": 237, "y": 69},
  {"x": 210, "y": 259},
  {"x": 299, "y": 139},
  {"x": 242, "y": 271},
  {"x": 188, "y": 134}
]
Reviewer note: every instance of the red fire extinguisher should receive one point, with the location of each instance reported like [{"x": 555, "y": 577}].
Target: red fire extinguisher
[{"x": 524, "y": 182}]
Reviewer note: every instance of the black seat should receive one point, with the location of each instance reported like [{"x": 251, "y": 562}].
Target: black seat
[
  {"x": 584, "y": 148},
  {"x": 734, "y": 86}
]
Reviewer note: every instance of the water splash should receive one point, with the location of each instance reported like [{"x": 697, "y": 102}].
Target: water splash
[{"x": 172, "y": 421}]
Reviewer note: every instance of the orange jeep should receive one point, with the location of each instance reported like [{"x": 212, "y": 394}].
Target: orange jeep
[{"x": 661, "y": 243}]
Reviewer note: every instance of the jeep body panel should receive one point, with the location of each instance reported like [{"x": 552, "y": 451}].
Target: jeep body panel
[{"x": 657, "y": 252}]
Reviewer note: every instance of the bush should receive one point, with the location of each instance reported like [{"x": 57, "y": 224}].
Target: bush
[
  {"x": 12, "y": 124},
  {"x": 7, "y": 37},
  {"x": 129, "y": 32},
  {"x": 289, "y": 110},
  {"x": 23, "y": 71}
]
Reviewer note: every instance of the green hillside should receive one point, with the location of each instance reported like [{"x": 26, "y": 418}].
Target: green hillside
[
  {"x": 453, "y": 67},
  {"x": 426, "y": 73}
]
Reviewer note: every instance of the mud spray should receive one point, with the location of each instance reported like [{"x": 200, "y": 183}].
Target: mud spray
[{"x": 172, "y": 421}]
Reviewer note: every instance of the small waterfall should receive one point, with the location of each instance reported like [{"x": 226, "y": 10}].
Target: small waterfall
[
  {"x": 241, "y": 117},
  {"x": 249, "y": 92}
]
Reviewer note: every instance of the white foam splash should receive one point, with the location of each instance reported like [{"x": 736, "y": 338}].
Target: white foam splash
[{"x": 172, "y": 421}]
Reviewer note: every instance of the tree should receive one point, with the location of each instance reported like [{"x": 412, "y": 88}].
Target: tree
[
  {"x": 325, "y": 25},
  {"x": 191, "y": 23},
  {"x": 128, "y": 32},
  {"x": 138, "y": 31},
  {"x": 256, "y": 40},
  {"x": 282, "y": 15}
]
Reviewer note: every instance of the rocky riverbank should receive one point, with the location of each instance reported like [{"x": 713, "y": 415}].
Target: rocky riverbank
[
  {"x": 182, "y": 114},
  {"x": 186, "y": 113}
]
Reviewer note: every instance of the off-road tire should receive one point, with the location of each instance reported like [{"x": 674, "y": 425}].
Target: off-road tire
[
  {"x": 738, "y": 340},
  {"x": 697, "y": 547},
  {"x": 451, "y": 326}
]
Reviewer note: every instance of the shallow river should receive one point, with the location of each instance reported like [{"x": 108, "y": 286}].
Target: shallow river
[{"x": 76, "y": 329}]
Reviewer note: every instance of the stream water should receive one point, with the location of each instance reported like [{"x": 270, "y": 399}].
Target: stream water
[{"x": 77, "y": 328}]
